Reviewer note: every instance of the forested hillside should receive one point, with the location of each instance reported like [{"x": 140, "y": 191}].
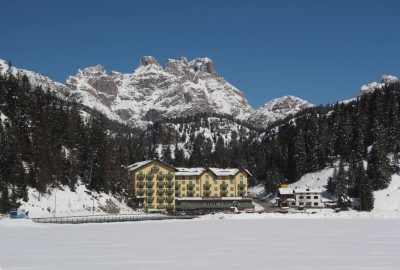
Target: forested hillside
[
  {"x": 365, "y": 129},
  {"x": 49, "y": 141}
]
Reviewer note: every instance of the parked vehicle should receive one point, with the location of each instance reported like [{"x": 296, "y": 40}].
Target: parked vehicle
[{"x": 19, "y": 213}]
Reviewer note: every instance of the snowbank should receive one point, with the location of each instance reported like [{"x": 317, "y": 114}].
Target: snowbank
[{"x": 70, "y": 203}]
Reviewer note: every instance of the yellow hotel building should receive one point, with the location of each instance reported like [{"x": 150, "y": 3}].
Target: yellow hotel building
[{"x": 159, "y": 186}]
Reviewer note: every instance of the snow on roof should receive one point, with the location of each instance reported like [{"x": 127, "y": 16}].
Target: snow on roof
[
  {"x": 189, "y": 171},
  {"x": 248, "y": 172},
  {"x": 227, "y": 171},
  {"x": 136, "y": 165},
  {"x": 285, "y": 191},
  {"x": 231, "y": 198},
  {"x": 224, "y": 172},
  {"x": 208, "y": 199},
  {"x": 189, "y": 198},
  {"x": 307, "y": 190}
]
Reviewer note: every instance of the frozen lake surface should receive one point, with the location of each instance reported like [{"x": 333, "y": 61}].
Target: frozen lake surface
[{"x": 203, "y": 244}]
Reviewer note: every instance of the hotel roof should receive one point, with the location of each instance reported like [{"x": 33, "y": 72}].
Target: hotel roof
[{"x": 189, "y": 171}]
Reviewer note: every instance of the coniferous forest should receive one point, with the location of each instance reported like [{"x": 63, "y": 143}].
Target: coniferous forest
[{"x": 50, "y": 141}]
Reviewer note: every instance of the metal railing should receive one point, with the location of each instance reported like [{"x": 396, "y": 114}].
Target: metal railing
[{"x": 103, "y": 219}]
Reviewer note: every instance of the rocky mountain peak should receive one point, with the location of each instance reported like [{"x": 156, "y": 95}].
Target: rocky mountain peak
[
  {"x": 370, "y": 87},
  {"x": 96, "y": 71},
  {"x": 177, "y": 67},
  {"x": 277, "y": 109},
  {"x": 204, "y": 64},
  {"x": 389, "y": 79},
  {"x": 286, "y": 104},
  {"x": 148, "y": 60}
]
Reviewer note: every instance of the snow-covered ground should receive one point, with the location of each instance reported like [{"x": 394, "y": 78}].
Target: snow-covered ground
[
  {"x": 203, "y": 244},
  {"x": 72, "y": 203},
  {"x": 387, "y": 201}
]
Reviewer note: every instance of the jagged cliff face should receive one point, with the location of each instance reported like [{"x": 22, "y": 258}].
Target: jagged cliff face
[
  {"x": 179, "y": 88},
  {"x": 278, "y": 109}
]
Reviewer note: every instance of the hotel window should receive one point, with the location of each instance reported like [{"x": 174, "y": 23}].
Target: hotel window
[
  {"x": 183, "y": 188},
  {"x": 197, "y": 188},
  {"x": 207, "y": 177},
  {"x": 241, "y": 178},
  {"x": 301, "y": 197},
  {"x": 231, "y": 181},
  {"x": 301, "y": 203},
  {"x": 231, "y": 188},
  {"x": 215, "y": 189},
  {"x": 308, "y": 197},
  {"x": 315, "y": 204},
  {"x": 315, "y": 197}
]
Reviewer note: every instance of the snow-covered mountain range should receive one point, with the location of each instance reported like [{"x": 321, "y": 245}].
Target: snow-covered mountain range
[{"x": 151, "y": 92}]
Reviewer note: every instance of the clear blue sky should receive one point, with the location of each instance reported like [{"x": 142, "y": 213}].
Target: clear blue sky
[{"x": 321, "y": 51}]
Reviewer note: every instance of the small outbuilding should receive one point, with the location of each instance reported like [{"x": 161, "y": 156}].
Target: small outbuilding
[{"x": 285, "y": 197}]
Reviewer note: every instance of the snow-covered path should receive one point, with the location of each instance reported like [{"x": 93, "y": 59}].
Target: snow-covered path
[{"x": 203, "y": 244}]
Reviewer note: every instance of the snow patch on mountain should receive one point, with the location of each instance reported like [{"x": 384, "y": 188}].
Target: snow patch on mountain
[{"x": 207, "y": 127}]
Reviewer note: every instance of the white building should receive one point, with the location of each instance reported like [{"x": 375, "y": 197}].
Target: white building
[{"x": 307, "y": 197}]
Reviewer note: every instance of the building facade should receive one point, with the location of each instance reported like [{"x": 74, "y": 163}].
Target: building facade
[
  {"x": 306, "y": 197},
  {"x": 285, "y": 197},
  {"x": 159, "y": 186}
]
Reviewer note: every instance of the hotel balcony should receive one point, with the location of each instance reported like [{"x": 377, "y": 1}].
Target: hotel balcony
[
  {"x": 149, "y": 184},
  {"x": 140, "y": 192},
  {"x": 160, "y": 184},
  {"x": 206, "y": 186}
]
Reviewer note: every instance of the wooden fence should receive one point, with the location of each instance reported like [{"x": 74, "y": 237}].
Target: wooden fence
[{"x": 112, "y": 218}]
